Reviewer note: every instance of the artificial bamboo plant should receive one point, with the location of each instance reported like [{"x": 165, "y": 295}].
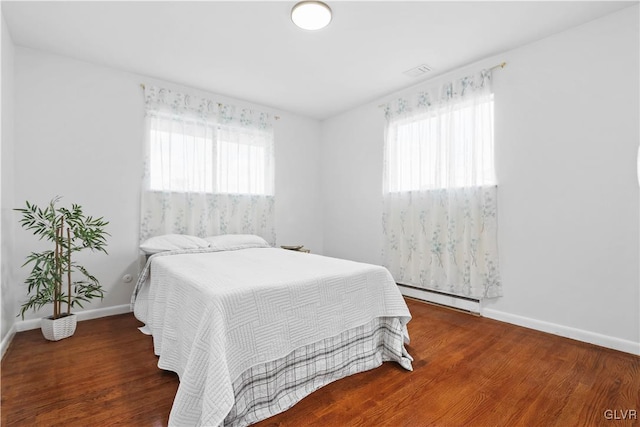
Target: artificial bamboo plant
[{"x": 70, "y": 231}]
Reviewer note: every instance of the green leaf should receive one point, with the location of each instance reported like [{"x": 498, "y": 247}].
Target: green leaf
[{"x": 44, "y": 284}]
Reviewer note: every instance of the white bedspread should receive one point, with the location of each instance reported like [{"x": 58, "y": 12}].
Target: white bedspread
[{"x": 213, "y": 315}]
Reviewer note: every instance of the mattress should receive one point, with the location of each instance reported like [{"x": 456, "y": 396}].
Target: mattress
[{"x": 217, "y": 315}]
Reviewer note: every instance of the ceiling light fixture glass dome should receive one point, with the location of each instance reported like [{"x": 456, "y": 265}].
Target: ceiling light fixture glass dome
[{"x": 311, "y": 15}]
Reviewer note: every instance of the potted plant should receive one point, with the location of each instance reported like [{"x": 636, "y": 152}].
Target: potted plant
[{"x": 69, "y": 231}]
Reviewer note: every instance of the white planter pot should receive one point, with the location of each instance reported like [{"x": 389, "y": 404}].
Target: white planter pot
[{"x": 60, "y": 328}]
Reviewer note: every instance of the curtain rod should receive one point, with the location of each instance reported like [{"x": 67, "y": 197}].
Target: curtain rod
[
  {"x": 495, "y": 67},
  {"x": 142, "y": 86}
]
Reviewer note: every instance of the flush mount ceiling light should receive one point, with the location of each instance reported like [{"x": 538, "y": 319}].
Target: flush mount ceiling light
[{"x": 311, "y": 15}]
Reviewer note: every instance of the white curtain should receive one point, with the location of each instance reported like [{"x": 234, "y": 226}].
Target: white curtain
[
  {"x": 440, "y": 193},
  {"x": 209, "y": 168}
]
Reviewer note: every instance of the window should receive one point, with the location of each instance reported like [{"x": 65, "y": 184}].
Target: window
[
  {"x": 208, "y": 167},
  {"x": 191, "y": 156},
  {"x": 442, "y": 148},
  {"x": 439, "y": 215},
  {"x": 244, "y": 162},
  {"x": 181, "y": 162}
]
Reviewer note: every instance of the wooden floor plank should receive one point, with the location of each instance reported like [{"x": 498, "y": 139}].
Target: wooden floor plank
[{"x": 468, "y": 371}]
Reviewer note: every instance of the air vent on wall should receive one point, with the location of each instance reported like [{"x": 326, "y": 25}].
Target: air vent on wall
[{"x": 418, "y": 71}]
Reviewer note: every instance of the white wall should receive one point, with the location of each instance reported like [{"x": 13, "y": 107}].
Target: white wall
[
  {"x": 79, "y": 132},
  {"x": 567, "y": 131},
  {"x": 7, "y": 293},
  {"x": 567, "y": 128},
  {"x": 298, "y": 202},
  {"x": 352, "y": 184}
]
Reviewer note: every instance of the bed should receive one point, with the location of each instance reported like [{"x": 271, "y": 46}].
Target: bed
[{"x": 251, "y": 329}]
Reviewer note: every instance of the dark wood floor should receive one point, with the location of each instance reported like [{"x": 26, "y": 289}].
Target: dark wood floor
[{"x": 468, "y": 371}]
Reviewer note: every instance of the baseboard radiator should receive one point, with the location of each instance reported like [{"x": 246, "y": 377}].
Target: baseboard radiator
[{"x": 441, "y": 298}]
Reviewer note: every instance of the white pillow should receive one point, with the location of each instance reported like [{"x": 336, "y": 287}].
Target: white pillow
[
  {"x": 226, "y": 242},
  {"x": 172, "y": 242}
]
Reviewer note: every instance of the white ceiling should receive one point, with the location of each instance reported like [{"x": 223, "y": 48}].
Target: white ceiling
[{"x": 252, "y": 51}]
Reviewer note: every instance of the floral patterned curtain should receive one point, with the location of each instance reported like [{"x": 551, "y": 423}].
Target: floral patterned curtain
[
  {"x": 209, "y": 168},
  {"x": 440, "y": 193}
]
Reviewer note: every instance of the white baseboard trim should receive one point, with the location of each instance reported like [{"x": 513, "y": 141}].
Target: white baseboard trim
[
  {"x": 441, "y": 299},
  {"x": 27, "y": 325},
  {"x": 4, "y": 345},
  {"x": 564, "y": 331}
]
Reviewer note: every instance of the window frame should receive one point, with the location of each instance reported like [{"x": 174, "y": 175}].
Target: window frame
[
  {"x": 210, "y": 180},
  {"x": 408, "y": 174}
]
